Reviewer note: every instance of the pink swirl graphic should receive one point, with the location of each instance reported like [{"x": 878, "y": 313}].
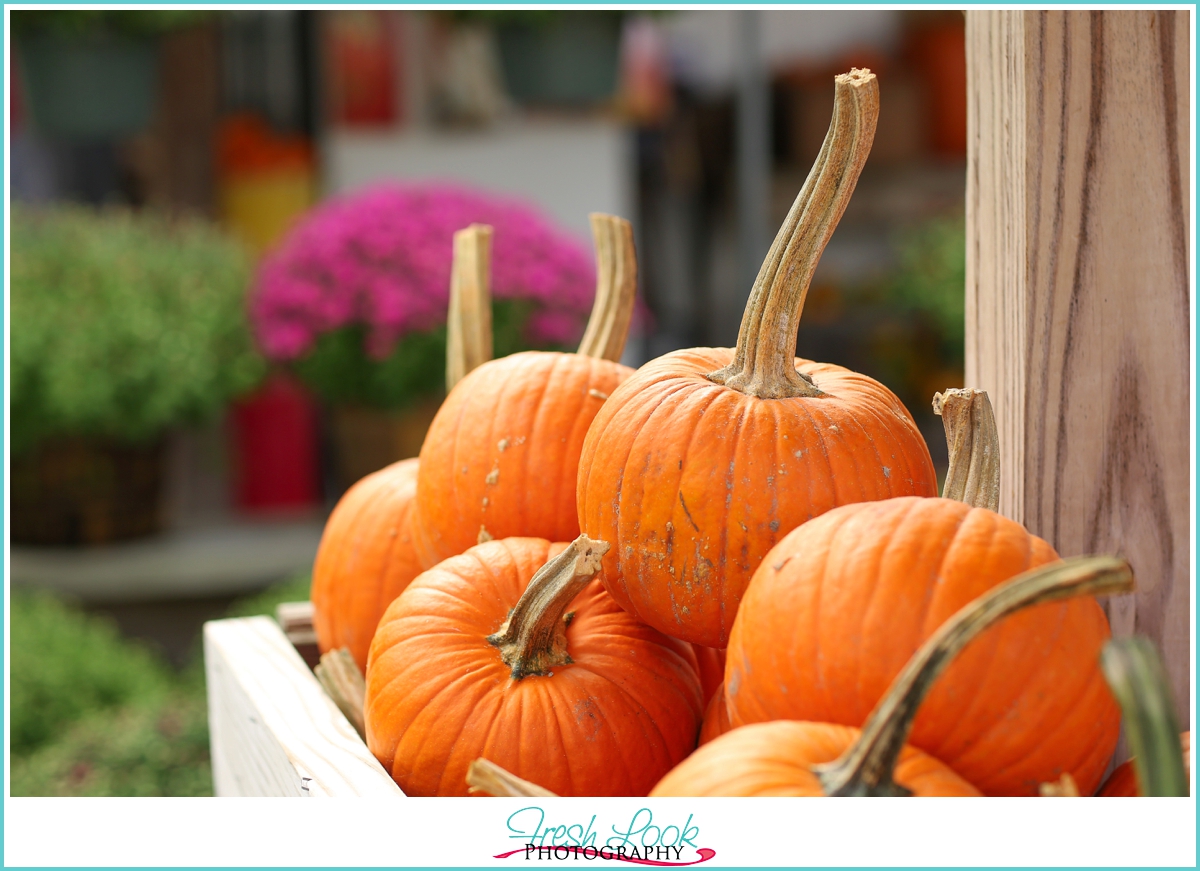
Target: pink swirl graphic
[{"x": 704, "y": 852}]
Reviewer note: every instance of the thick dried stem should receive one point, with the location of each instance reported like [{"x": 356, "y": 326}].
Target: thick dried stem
[
  {"x": 533, "y": 639},
  {"x": 338, "y": 673},
  {"x": 616, "y": 288},
  {"x": 764, "y": 363},
  {"x": 469, "y": 321},
  {"x": 1135, "y": 673},
  {"x": 974, "y": 443},
  {"x": 867, "y": 767},
  {"x": 488, "y": 777}
]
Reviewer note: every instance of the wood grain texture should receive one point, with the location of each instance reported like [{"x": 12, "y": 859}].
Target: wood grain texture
[
  {"x": 1078, "y": 293},
  {"x": 273, "y": 730}
]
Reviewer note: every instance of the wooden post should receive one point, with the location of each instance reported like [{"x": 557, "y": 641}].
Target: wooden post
[{"x": 1078, "y": 306}]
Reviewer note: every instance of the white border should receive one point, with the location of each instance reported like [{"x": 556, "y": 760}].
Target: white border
[{"x": 458, "y": 832}]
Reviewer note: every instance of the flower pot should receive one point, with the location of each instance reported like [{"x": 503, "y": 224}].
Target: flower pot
[
  {"x": 570, "y": 59},
  {"x": 275, "y": 433},
  {"x": 367, "y": 439},
  {"x": 101, "y": 88},
  {"x": 85, "y": 491}
]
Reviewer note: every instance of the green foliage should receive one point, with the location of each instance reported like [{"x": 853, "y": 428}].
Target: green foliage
[
  {"x": 123, "y": 324},
  {"x": 84, "y": 23},
  {"x": 933, "y": 277},
  {"x": 152, "y": 747},
  {"x": 94, "y": 713},
  {"x": 341, "y": 372},
  {"x": 67, "y": 665}
]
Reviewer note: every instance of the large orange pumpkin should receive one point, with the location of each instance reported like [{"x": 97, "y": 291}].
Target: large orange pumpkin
[
  {"x": 501, "y": 457},
  {"x": 476, "y": 659},
  {"x": 705, "y": 458},
  {"x": 367, "y": 557},
  {"x": 840, "y": 604},
  {"x": 785, "y": 757}
]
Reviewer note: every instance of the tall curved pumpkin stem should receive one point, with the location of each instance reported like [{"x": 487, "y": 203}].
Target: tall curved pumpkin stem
[
  {"x": 616, "y": 288},
  {"x": 764, "y": 363},
  {"x": 974, "y": 443},
  {"x": 866, "y": 768},
  {"x": 484, "y": 776},
  {"x": 1135, "y": 673},
  {"x": 533, "y": 639},
  {"x": 469, "y": 320}
]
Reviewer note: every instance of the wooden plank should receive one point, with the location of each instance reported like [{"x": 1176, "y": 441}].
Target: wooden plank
[
  {"x": 1078, "y": 291},
  {"x": 273, "y": 730}
]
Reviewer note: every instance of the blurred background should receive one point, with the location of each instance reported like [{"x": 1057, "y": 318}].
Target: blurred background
[{"x": 230, "y": 248}]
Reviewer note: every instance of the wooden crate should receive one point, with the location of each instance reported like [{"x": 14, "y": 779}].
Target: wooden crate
[{"x": 273, "y": 729}]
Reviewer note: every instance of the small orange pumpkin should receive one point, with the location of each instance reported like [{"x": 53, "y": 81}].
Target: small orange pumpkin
[
  {"x": 716, "y": 717},
  {"x": 711, "y": 661},
  {"x": 785, "y": 757},
  {"x": 705, "y": 458},
  {"x": 480, "y": 657},
  {"x": 501, "y": 457}
]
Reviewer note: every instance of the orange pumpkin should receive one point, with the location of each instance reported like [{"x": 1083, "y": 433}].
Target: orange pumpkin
[
  {"x": 837, "y": 608},
  {"x": 705, "y": 458},
  {"x": 476, "y": 659},
  {"x": 501, "y": 457},
  {"x": 786, "y": 757},
  {"x": 365, "y": 559}
]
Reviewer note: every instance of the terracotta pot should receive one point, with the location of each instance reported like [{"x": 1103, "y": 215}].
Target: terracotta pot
[
  {"x": 85, "y": 491},
  {"x": 367, "y": 439}
]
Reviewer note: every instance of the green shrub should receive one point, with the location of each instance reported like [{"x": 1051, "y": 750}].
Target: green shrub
[
  {"x": 67, "y": 665},
  {"x": 123, "y": 324},
  {"x": 933, "y": 278},
  {"x": 293, "y": 590},
  {"x": 158, "y": 748}
]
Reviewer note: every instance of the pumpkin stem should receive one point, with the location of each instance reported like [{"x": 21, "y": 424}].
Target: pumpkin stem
[
  {"x": 1135, "y": 673},
  {"x": 764, "y": 363},
  {"x": 866, "y": 768},
  {"x": 534, "y": 637},
  {"x": 469, "y": 321},
  {"x": 488, "y": 777},
  {"x": 338, "y": 673},
  {"x": 616, "y": 288},
  {"x": 971, "y": 436}
]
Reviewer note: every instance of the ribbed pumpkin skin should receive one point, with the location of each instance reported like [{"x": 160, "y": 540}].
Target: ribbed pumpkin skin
[
  {"x": 503, "y": 451},
  {"x": 365, "y": 559},
  {"x": 694, "y": 482},
  {"x": 773, "y": 759},
  {"x": 838, "y": 607},
  {"x": 438, "y": 695}
]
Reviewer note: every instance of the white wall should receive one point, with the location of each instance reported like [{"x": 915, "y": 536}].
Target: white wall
[{"x": 567, "y": 167}]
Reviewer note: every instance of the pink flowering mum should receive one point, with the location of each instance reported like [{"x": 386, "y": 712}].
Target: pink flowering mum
[{"x": 381, "y": 258}]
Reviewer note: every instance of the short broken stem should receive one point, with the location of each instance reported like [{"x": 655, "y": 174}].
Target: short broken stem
[
  {"x": 974, "y": 445},
  {"x": 488, "y": 777},
  {"x": 616, "y": 288},
  {"x": 469, "y": 320},
  {"x": 533, "y": 639},
  {"x": 764, "y": 362},
  {"x": 866, "y": 769}
]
